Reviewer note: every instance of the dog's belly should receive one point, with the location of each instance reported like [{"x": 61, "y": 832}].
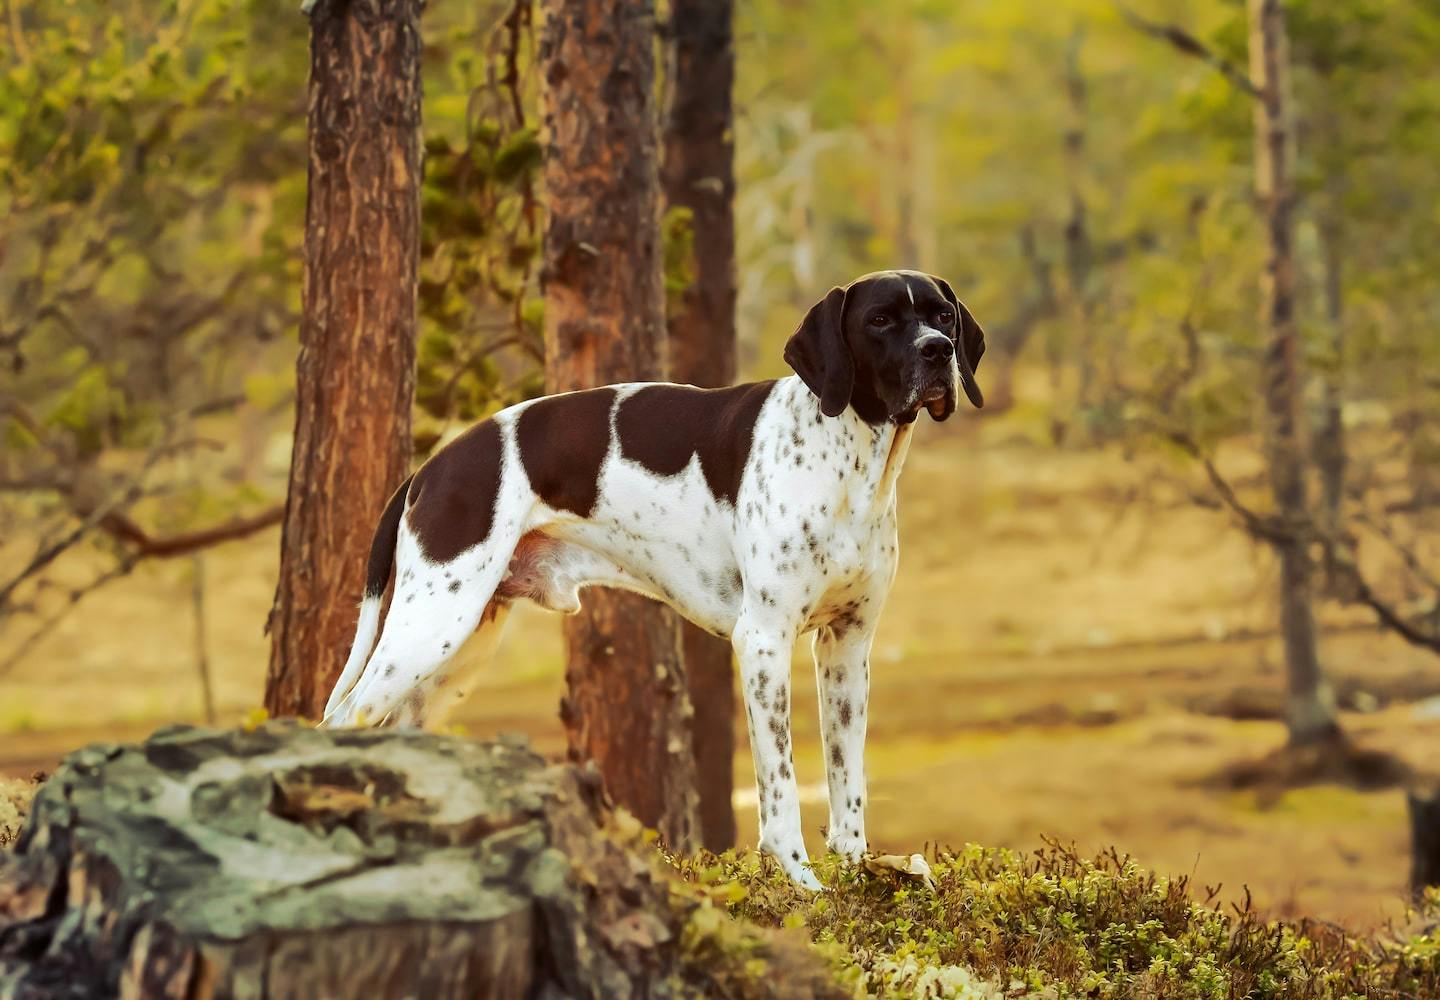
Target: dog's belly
[{"x": 668, "y": 536}]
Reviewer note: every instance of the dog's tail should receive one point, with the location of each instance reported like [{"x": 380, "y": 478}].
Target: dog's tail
[{"x": 377, "y": 575}]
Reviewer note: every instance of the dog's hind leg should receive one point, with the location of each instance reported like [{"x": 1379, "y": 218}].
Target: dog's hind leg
[
  {"x": 435, "y": 609},
  {"x": 377, "y": 576},
  {"x": 430, "y": 705}
]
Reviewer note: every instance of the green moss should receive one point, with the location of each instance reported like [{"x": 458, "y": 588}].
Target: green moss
[{"x": 1055, "y": 924}]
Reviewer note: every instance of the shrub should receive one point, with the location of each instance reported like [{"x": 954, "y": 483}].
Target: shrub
[{"x": 1055, "y": 924}]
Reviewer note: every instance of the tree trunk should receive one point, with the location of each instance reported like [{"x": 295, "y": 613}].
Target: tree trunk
[
  {"x": 627, "y": 706},
  {"x": 1310, "y": 710},
  {"x": 1424, "y": 808},
  {"x": 1079, "y": 250},
  {"x": 1329, "y": 445},
  {"x": 295, "y": 862},
  {"x": 355, "y": 378},
  {"x": 1011, "y": 335},
  {"x": 907, "y": 240},
  {"x": 698, "y": 174}
]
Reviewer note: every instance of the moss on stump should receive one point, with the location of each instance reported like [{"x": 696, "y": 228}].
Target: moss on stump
[{"x": 291, "y": 862}]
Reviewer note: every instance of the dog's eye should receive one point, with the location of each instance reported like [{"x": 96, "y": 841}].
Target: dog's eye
[
  {"x": 945, "y": 317},
  {"x": 880, "y": 319}
]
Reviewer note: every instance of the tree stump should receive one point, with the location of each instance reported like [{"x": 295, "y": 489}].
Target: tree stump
[{"x": 294, "y": 862}]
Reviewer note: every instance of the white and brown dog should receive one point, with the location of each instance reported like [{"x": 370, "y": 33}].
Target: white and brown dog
[{"x": 759, "y": 512}]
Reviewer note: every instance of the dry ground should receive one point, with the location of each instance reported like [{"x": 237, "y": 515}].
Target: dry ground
[{"x": 1063, "y": 654}]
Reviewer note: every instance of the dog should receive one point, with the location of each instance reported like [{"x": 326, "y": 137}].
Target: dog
[{"x": 760, "y": 512}]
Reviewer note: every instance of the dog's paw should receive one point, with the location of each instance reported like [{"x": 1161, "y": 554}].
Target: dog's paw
[
  {"x": 795, "y": 863},
  {"x": 805, "y": 879},
  {"x": 851, "y": 848}
]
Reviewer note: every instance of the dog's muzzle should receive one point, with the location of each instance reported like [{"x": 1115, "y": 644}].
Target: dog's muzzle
[{"x": 938, "y": 375}]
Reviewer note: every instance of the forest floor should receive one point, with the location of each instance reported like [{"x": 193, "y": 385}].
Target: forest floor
[{"x": 1071, "y": 649}]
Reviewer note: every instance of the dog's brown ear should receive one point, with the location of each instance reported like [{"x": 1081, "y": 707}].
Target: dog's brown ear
[
  {"x": 818, "y": 353},
  {"x": 970, "y": 343}
]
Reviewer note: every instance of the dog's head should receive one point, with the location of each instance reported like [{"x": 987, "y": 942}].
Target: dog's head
[{"x": 887, "y": 344}]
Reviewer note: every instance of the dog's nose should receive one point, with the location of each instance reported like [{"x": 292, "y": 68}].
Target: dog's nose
[{"x": 936, "y": 348}]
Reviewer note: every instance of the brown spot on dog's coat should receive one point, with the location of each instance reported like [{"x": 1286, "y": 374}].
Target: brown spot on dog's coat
[
  {"x": 661, "y": 426},
  {"x": 452, "y": 497},
  {"x": 382, "y": 545},
  {"x": 563, "y": 441}
]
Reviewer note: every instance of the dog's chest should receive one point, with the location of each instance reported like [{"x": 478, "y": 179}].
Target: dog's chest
[
  {"x": 817, "y": 511},
  {"x": 853, "y": 557},
  {"x": 855, "y": 549},
  {"x": 826, "y": 564}
]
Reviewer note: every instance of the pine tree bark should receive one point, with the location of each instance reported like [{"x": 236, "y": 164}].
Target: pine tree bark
[
  {"x": 1310, "y": 713},
  {"x": 698, "y": 174},
  {"x": 627, "y": 705},
  {"x": 355, "y": 377}
]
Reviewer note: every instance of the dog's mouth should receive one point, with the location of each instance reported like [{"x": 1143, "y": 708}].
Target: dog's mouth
[{"x": 939, "y": 399}]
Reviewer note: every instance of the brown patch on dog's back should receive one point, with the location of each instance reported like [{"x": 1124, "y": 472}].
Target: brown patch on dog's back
[
  {"x": 661, "y": 426},
  {"x": 452, "y": 499},
  {"x": 563, "y": 441}
]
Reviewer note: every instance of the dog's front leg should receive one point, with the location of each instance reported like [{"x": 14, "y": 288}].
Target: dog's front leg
[
  {"x": 842, "y": 673},
  {"x": 763, "y": 649}
]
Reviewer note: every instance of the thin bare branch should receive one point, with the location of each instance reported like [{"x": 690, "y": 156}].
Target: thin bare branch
[
  {"x": 1338, "y": 557},
  {"x": 1262, "y": 526},
  {"x": 1183, "y": 41},
  {"x": 50, "y": 623},
  {"x": 48, "y": 554},
  {"x": 142, "y": 545},
  {"x": 1406, "y": 553},
  {"x": 1413, "y": 630}
]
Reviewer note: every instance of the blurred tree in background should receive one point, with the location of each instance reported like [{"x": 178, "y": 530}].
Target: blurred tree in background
[
  {"x": 1088, "y": 187},
  {"x": 698, "y": 176}
]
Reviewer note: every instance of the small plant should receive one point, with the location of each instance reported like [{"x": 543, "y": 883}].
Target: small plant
[{"x": 1055, "y": 924}]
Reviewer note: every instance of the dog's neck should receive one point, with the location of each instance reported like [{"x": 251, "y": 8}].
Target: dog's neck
[
  {"x": 878, "y": 452},
  {"x": 880, "y": 469},
  {"x": 900, "y": 435}
]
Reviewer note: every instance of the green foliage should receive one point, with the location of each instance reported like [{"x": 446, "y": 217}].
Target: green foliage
[
  {"x": 481, "y": 333},
  {"x": 152, "y": 178},
  {"x": 152, "y": 181},
  {"x": 1055, "y": 924},
  {"x": 151, "y": 174},
  {"x": 677, "y": 235}
]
